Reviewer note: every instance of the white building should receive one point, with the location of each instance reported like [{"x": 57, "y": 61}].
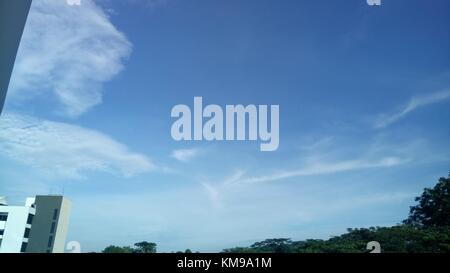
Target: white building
[{"x": 38, "y": 227}]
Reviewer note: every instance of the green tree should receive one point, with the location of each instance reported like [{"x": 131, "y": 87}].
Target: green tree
[
  {"x": 278, "y": 245},
  {"x": 399, "y": 239},
  {"x": 145, "y": 247},
  {"x": 117, "y": 249},
  {"x": 239, "y": 250},
  {"x": 433, "y": 209}
]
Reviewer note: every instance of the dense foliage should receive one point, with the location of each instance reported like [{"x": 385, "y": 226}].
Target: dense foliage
[
  {"x": 433, "y": 209},
  {"x": 403, "y": 238},
  {"x": 141, "y": 247}
]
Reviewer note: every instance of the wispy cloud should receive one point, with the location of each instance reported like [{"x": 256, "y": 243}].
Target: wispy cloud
[
  {"x": 68, "y": 52},
  {"x": 66, "y": 150},
  {"x": 414, "y": 103},
  {"x": 185, "y": 155},
  {"x": 317, "y": 144},
  {"x": 216, "y": 191},
  {"x": 213, "y": 193},
  {"x": 320, "y": 168}
]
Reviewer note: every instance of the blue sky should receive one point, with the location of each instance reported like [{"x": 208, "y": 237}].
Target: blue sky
[{"x": 364, "y": 95}]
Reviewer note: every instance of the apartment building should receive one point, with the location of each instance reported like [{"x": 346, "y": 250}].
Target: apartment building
[{"x": 40, "y": 226}]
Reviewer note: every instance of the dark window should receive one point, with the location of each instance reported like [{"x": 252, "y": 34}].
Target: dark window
[
  {"x": 2, "y": 231},
  {"x": 50, "y": 241},
  {"x": 0, "y": 242},
  {"x": 55, "y": 214},
  {"x": 26, "y": 234},
  {"x": 24, "y": 247},
  {"x": 3, "y": 216},
  {"x": 52, "y": 229},
  {"x": 30, "y": 219}
]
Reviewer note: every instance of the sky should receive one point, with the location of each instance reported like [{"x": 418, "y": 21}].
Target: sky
[{"x": 363, "y": 91}]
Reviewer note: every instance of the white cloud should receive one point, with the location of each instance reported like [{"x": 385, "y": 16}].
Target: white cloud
[
  {"x": 414, "y": 103},
  {"x": 184, "y": 155},
  {"x": 326, "y": 168},
  {"x": 215, "y": 191},
  {"x": 66, "y": 150},
  {"x": 68, "y": 52},
  {"x": 320, "y": 143},
  {"x": 214, "y": 194}
]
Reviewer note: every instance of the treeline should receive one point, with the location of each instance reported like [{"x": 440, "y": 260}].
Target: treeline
[
  {"x": 141, "y": 247},
  {"x": 402, "y": 238},
  {"x": 427, "y": 229}
]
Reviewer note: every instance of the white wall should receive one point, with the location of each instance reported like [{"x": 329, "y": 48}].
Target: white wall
[{"x": 14, "y": 228}]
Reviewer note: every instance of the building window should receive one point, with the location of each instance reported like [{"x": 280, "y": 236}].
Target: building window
[
  {"x": 2, "y": 231},
  {"x": 26, "y": 234},
  {"x": 50, "y": 241},
  {"x": 24, "y": 247},
  {"x": 55, "y": 214},
  {"x": 53, "y": 228},
  {"x": 30, "y": 219},
  {"x": 3, "y": 216}
]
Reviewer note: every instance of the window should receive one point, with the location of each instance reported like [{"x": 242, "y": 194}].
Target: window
[
  {"x": 55, "y": 214},
  {"x": 24, "y": 247},
  {"x": 52, "y": 229},
  {"x": 50, "y": 241},
  {"x": 2, "y": 231},
  {"x": 3, "y": 216},
  {"x": 26, "y": 234},
  {"x": 30, "y": 219}
]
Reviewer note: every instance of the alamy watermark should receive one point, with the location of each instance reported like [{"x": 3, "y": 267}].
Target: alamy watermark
[
  {"x": 373, "y": 247},
  {"x": 73, "y": 247},
  {"x": 236, "y": 122}
]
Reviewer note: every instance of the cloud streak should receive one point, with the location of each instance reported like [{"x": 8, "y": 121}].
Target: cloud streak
[
  {"x": 325, "y": 168},
  {"x": 414, "y": 103},
  {"x": 215, "y": 191},
  {"x": 66, "y": 150},
  {"x": 185, "y": 155},
  {"x": 68, "y": 52}
]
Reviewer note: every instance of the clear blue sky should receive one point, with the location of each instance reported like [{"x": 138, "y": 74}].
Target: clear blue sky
[{"x": 364, "y": 95}]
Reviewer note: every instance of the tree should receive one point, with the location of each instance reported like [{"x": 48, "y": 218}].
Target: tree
[
  {"x": 118, "y": 249},
  {"x": 145, "y": 247},
  {"x": 279, "y": 245},
  {"x": 398, "y": 239},
  {"x": 433, "y": 209}
]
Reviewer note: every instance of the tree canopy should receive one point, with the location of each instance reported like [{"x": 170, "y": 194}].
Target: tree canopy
[
  {"x": 433, "y": 209},
  {"x": 141, "y": 247}
]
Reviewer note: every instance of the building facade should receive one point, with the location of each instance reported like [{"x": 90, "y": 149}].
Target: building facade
[
  {"x": 38, "y": 227},
  {"x": 13, "y": 15}
]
